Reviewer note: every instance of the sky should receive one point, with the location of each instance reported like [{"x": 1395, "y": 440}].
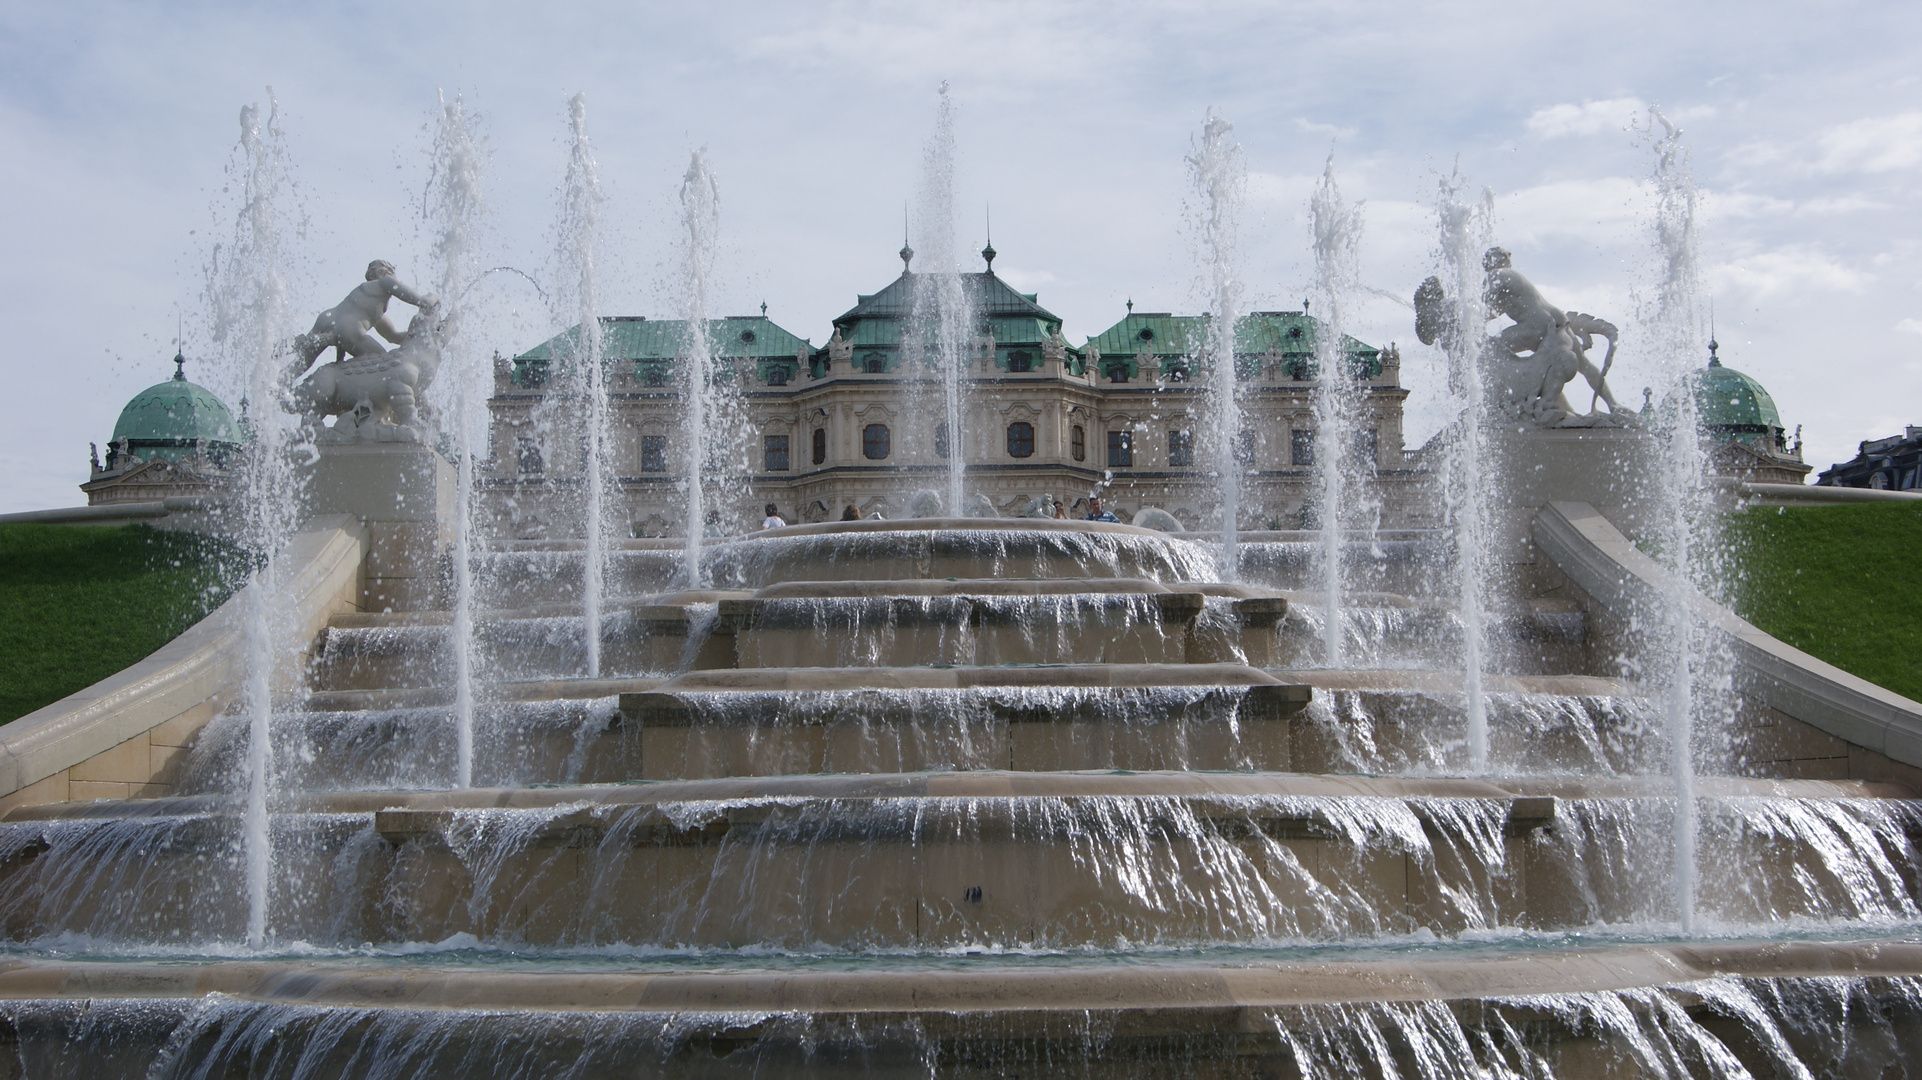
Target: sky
[{"x": 1073, "y": 121}]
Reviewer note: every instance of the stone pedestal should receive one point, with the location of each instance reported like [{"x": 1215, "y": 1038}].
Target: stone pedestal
[
  {"x": 404, "y": 495},
  {"x": 1613, "y": 469}
]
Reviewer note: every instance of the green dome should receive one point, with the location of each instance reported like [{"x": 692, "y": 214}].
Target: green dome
[
  {"x": 1727, "y": 400},
  {"x": 168, "y": 419}
]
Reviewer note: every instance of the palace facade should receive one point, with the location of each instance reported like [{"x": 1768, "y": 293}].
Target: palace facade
[{"x": 860, "y": 421}]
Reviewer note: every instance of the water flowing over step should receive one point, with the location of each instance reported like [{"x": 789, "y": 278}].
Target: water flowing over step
[{"x": 1115, "y": 861}]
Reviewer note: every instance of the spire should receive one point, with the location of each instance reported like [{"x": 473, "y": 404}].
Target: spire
[
  {"x": 764, "y": 309},
  {"x": 907, "y": 253},
  {"x": 1713, "y": 360},
  {"x": 1131, "y": 305},
  {"x": 180, "y": 367},
  {"x": 180, "y": 348},
  {"x": 988, "y": 252}
]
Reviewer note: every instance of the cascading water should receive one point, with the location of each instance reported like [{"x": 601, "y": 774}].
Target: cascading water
[
  {"x": 1340, "y": 455},
  {"x": 702, "y": 433},
  {"x": 1464, "y": 231},
  {"x": 1685, "y": 525},
  {"x": 580, "y": 226},
  {"x": 247, "y": 290},
  {"x": 1220, "y": 180},
  {"x": 454, "y": 205},
  {"x": 943, "y": 324}
]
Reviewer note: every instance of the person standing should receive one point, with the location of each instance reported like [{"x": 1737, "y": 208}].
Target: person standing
[
  {"x": 773, "y": 518},
  {"x": 1097, "y": 513}
]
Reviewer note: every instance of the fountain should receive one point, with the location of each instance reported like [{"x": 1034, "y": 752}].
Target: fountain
[
  {"x": 701, "y": 219},
  {"x": 1219, "y": 177},
  {"x": 943, "y": 320},
  {"x": 580, "y": 223},
  {"x": 967, "y": 797},
  {"x": 1341, "y": 452}
]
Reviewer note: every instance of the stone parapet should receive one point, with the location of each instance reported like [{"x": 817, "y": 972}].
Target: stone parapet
[
  {"x": 1607, "y": 566},
  {"x": 127, "y": 735}
]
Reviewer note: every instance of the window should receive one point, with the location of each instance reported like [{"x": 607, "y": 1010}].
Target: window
[
  {"x": 941, "y": 448},
  {"x": 777, "y": 375},
  {"x": 875, "y": 442},
  {"x": 1020, "y": 360},
  {"x": 1176, "y": 371},
  {"x": 654, "y": 375},
  {"x": 1301, "y": 447},
  {"x": 774, "y": 453},
  {"x": 820, "y": 445},
  {"x": 875, "y": 363},
  {"x": 529, "y": 453},
  {"x": 1181, "y": 449},
  {"x": 1020, "y": 439},
  {"x": 1244, "y": 447},
  {"x": 1117, "y": 372},
  {"x": 1121, "y": 449},
  {"x": 1367, "y": 444},
  {"x": 1078, "y": 443},
  {"x": 653, "y": 453}
]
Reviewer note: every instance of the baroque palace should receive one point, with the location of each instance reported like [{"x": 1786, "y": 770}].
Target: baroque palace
[{"x": 860, "y": 422}]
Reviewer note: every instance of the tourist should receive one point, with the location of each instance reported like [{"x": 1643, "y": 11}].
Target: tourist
[
  {"x": 1096, "y": 513},
  {"x": 1060, "y": 511},
  {"x": 850, "y": 514},
  {"x": 773, "y": 519}
]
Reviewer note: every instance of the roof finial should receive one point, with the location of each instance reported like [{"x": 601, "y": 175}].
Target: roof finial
[
  {"x": 1713, "y": 360},
  {"x": 988, "y": 252},
  {"x": 1131, "y": 305},
  {"x": 180, "y": 347},
  {"x": 764, "y": 309},
  {"x": 907, "y": 253}
]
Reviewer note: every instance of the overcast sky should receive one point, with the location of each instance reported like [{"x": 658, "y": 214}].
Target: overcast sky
[{"x": 118, "y": 121}]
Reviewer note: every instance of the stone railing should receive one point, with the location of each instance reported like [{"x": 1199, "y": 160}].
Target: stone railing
[
  {"x": 1611, "y": 569},
  {"x": 128, "y": 734}
]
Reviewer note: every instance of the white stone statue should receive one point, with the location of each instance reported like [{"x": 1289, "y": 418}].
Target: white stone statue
[
  {"x": 349, "y": 326},
  {"x": 1530, "y": 362},
  {"x": 377, "y": 398}
]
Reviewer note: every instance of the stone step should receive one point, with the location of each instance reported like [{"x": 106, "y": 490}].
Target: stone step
[
  {"x": 1115, "y": 861},
  {"x": 1765, "y": 1009}
]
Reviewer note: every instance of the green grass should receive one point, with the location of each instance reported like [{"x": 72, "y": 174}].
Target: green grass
[
  {"x": 1842, "y": 583},
  {"x": 78, "y": 603}
]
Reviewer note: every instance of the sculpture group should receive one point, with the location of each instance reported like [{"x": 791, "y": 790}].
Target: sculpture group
[
  {"x": 374, "y": 393},
  {"x": 1529, "y": 363}
]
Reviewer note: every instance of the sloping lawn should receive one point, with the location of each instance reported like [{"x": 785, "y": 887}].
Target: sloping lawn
[
  {"x": 78, "y": 603},
  {"x": 1843, "y": 583}
]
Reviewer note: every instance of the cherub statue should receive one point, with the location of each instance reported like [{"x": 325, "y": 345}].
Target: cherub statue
[
  {"x": 1530, "y": 362},
  {"x": 349, "y": 326}
]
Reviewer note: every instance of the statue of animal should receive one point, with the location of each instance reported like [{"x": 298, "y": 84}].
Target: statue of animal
[{"x": 377, "y": 398}]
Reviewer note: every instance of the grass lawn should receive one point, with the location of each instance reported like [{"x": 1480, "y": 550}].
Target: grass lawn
[
  {"x": 1843, "y": 583},
  {"x": 78, "y": 603}
]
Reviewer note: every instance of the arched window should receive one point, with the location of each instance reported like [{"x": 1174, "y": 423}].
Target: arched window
[
  {"x": 875, "y": 442},
  {"x": 820, "y": 445},
  {"x": 1020, "y": 439},
  {"x": 1078, "y": 443},
  {"x": 941, "y": 445}
]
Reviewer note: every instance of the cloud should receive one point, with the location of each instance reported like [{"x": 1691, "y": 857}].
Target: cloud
[
  {"x": 1909, "y": 326},
  {"x": 1589, "y": 118},
  {"x": 1796, "y": 268},
  {"x": 1875, "y": 144},
  {"x": 1601, "y": 209},
  {"x": 1334, "y": 130}
]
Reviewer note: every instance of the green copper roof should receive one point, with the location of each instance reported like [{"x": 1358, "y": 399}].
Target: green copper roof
[
  {"x": 631, "y": 337},
  {"x": 1285, "y": 333},
  {"x": 1728, "y": 400},
  {"x": 166, "y": 419},
  {"x": 991, "y": 298}
]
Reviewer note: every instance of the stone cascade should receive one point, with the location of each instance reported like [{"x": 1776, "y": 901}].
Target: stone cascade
[{"x": 945, "y": 797}]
